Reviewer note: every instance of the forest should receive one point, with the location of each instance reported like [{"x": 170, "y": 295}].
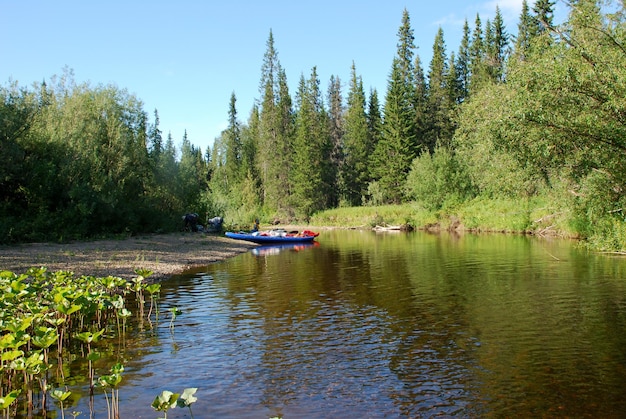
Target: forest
[{"x": 532, "y": 113}]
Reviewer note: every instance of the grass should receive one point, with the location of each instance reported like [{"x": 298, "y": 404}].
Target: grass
[
  {"x": 537, "y": 215},
  {"x": 370, "y": 216}
]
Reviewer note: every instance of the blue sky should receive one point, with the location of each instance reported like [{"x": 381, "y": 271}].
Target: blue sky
[{"x": 185, "y": 58}]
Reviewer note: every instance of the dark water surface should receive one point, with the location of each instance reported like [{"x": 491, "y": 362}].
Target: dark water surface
[{"x": 390, "y": 325}]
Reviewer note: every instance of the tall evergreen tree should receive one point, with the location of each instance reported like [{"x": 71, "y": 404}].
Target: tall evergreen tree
[
  {"x": 399, "y": 141},
  {"x": 251, "y": 184},
  {"x": 524, "y": 27},
  {"x": 477, "y": 57},
  {"x": 337, "y": 130},
  {"x": 463, "y": 63},
  {"x": 374, "y": 121},
  {"x": 232, "y": 140},
  {"x": 392, "y": 157},
  {"x": 155, "y": 138},
  {"x": 311, "y": 150},
  {"x": 421, "y": 119},
  {"x": 285, "y": 141},
  {"x": 453, "y": 84},
  {"x": 358, "y": 145},
  {"x": 249, "y": 141},
  {"x": 407, "y": 72},
  {"x": 438, "y": 94},
  {"x": 500, "y": 48},
  {"x": 191, "y": 176},
  {"x": 542, "y": 17},
  {"x": 276, "y": 121}
]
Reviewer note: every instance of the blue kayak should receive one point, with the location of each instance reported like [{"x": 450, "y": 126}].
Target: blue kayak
[{"x": 273, "y": 236}]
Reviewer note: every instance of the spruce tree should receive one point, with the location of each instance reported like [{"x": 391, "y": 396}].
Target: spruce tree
[
  {"x": 477, "y": 57},
  {"x": 542, "y": 17},
  {"x": 232, "y": 141},
  {"x": 155, "y": 138},
  {"x": 337, "y": 129},
  {"x": 311, "y": 150},
  {"x": 438, "y": 94},
  {"x": 463, "y": 63},
  {"x": 421, "y": 117},
  {"x": 522, "y": 40},
  {"x": 357, "y": 145},
  {"x": 374, "y": 122},
  {"x": 500, "y": 47},
  {"x": 392, "y": 157},
  {"x": 275, "y": 128}
]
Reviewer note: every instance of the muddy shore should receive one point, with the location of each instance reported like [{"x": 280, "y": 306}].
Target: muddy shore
[{"x": 163, "y": 254}]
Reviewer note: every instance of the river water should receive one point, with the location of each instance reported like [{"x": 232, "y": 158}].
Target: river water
[{"x": 391, "y": 325}]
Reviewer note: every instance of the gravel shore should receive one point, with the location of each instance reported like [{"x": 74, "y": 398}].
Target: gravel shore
[{"x": 163, "y": 254}]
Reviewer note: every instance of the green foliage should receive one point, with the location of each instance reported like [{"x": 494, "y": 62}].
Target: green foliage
[
  {"x": 503, "y": 214},
  {"x": 358, "y": 145},
  {"x": 406, "y": 214},
  {"x": 52, "y": 312},
  {"x": 438, "y": 180},
  {"x": 79, "y": 166}
]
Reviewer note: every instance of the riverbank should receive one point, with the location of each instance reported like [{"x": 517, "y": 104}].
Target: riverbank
[{"x": 163, "y": 254}]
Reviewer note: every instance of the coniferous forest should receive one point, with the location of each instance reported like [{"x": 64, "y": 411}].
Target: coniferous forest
[{"x": 535, "y": 111}]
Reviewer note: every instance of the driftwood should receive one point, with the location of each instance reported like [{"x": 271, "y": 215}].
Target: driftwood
[{"x": 402, "y": 227}]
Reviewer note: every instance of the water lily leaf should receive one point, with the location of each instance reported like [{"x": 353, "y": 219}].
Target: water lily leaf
[
  {"x": 6, "y": 401},
  {"x": 165, "y": 401},
  {"x": 187, "y": 398},
  {"x": 11, "y": 355},
  {"x": 60, "y": 395}
]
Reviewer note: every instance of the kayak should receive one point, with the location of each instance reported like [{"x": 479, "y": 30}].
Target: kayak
[{"x": 274, "y": 236}]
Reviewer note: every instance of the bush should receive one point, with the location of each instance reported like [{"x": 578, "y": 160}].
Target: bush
[{"x": 437, "y": 180}]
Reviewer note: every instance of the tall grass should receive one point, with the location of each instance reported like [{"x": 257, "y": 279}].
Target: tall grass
[
  {"x": 365, "y": 217},
  {"x": 537, "y": 215}
]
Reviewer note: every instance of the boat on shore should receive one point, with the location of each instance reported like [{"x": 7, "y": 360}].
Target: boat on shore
[{"x": 274, "y": 236}]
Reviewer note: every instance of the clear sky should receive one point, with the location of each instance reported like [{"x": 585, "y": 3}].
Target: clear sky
[{"x": 186, "y": 57}]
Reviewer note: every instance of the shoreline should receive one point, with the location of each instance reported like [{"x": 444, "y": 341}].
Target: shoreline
[{"x": 163, "y": 254}]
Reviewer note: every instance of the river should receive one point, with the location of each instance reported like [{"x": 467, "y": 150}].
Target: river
[{"x": 393, "y": 325}]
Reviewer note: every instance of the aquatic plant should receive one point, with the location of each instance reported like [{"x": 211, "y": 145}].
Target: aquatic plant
[
  {"x": 45, "y": 312},
  {"x": 187, "y": 399},
  {"x": 168, "y": 400},
  {"x": 112, "y": 381},
  {"x": 175, "y": 312},
  {"x": 165, "y": 401},
  {"x": 60, "y": 396}
]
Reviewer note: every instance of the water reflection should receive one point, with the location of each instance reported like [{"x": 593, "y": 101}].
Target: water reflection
[{"x": 392, "y": 325}]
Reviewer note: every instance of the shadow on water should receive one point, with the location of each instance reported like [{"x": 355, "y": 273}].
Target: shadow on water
[{"x": 390, "y": 325}]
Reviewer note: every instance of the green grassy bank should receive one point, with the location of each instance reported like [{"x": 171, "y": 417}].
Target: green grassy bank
[{"x": 535, "y": 216}]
